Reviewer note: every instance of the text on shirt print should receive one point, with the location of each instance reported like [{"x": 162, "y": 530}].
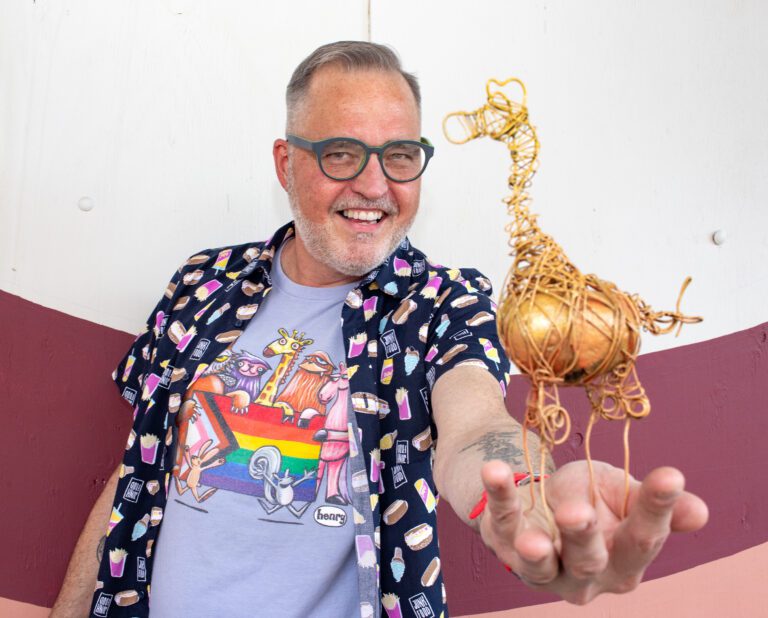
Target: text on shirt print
[{"x": 281, "y": 438}]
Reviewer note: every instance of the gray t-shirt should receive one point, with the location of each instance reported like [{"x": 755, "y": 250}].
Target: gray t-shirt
[{"x": 259, "y": 520}]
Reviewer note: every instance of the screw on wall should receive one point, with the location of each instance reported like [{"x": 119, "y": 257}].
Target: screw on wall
[
  {"x": 719, "y": 237},
  {"x": 85, "y": 204}
]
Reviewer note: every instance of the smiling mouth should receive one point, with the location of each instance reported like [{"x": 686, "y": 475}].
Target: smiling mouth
[{"x": 363, "y": 216}]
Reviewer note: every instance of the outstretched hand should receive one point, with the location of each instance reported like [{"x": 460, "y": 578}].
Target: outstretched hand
[{"x": 594, "y": 550}]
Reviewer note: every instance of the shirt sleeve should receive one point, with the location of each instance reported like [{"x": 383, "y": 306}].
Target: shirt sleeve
[
  {"x": 130, "y": 372},
  {"x": 463, "y": 330}
]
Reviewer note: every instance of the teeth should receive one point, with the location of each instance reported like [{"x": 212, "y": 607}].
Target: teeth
[{"x": 363, "y": 215}]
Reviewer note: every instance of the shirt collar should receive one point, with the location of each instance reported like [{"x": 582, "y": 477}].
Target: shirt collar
[{"x": 393, "y": 276}]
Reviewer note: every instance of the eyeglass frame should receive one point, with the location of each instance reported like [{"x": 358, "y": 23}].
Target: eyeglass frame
[{"x": 317, "y": 148}]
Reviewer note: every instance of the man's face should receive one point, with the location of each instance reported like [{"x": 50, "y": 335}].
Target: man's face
[{"x": 349, "y": 227}]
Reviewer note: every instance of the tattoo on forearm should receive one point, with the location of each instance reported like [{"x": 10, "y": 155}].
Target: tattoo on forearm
[
  {"x": 100, "y": 548},
  {"x": 499, "y": 445}
]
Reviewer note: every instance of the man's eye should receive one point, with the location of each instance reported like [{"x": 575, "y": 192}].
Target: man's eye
[
  {"x": 337, "y": 155},
  {"x": 402, "y": 154}
]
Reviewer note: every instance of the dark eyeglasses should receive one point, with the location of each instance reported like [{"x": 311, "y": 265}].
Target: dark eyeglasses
[{"x": 344, "y": 158}]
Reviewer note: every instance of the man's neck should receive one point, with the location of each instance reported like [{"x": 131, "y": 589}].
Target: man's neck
[{"x": 300, "y": 267}]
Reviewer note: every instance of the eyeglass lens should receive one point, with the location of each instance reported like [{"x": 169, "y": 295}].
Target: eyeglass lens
[{"x": 342, "y": 159}]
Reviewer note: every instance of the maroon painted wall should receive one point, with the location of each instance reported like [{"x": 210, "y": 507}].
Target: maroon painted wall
[{"x": 65, "y": 428}]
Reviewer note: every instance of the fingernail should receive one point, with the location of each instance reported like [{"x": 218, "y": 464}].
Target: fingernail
[{"x": 666, "y": 496}]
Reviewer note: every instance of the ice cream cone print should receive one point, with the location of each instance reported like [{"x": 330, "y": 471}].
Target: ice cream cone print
[
  {"x": 403, "y": 405},
  {"x": 431, "y": 353},
  {"x": 140, "y": 528},
  {"x": 411, "y": 360},
  {"x": 357, "y": 344},
  {"x": 443, "y": 326},
  {"x": 397, "y": 564}
]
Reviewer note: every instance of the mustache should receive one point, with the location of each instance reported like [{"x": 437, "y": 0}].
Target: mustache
[{"x": 385, "y": 203}]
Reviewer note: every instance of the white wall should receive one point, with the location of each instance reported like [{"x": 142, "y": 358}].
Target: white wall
[{"x": 651, "y": 117}]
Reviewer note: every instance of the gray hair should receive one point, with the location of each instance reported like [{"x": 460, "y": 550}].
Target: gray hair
[{"x": 352, "y": 56}]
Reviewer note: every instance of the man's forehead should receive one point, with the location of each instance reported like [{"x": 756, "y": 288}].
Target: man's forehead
[{"x": 335, "y": 91}]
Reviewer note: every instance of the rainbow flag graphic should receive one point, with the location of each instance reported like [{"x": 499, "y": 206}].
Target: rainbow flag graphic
[{"x": 250, "y": 444}]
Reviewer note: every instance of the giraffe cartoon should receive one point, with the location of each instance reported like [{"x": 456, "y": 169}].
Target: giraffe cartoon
[{"x": 289, "y": 346}]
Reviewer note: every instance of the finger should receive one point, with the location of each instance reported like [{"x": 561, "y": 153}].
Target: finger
[
  {"x": 690, "y": 513},
  {"x": 504, "y": 506},
  {"x": 536, "y": 560},
  {"x": 640, "y": 537},
  {"x": 521, "y": 544},
  {"x": 584, "y": 554}
]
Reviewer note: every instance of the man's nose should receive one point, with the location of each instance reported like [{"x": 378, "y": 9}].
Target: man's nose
[{"x": 371, "y": 183}]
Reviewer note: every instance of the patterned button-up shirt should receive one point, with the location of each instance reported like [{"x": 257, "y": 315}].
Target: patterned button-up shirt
[{"x": 406, "y": 323}]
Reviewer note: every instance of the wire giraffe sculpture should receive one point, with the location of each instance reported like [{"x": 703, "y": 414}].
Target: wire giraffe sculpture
[{"x": 559, "y": 326}]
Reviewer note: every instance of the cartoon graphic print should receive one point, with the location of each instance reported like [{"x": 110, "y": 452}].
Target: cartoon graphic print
[
  {"x": 197, "y": 464},
  {"x": 412, "y": 350},
  {"x": 334, "y": 453},
  {"x": 278, "y": 447}
]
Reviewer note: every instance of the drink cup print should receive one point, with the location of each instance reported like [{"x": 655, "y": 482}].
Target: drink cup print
[
  {"x": 149, "y": 443},
  {"x": 117, "y": 562},
  {"x": 403, "y": 405},
  {"x": 115, "y": 518}
]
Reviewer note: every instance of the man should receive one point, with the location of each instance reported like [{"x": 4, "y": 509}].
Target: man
[{"x": 288, "y": 514}]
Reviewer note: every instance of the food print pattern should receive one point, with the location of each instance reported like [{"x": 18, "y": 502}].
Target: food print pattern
[{"x": 408, "y": 322}]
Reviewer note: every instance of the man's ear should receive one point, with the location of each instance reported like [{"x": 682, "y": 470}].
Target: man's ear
[{"x": 280, "y": 155}]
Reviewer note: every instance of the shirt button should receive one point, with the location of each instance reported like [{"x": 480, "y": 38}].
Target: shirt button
[{"x": 238, "y": 323}]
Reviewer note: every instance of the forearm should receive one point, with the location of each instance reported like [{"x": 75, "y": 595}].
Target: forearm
[
  {"x": 474, "y": 428},
  {"x": 77, "y": 590}
]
